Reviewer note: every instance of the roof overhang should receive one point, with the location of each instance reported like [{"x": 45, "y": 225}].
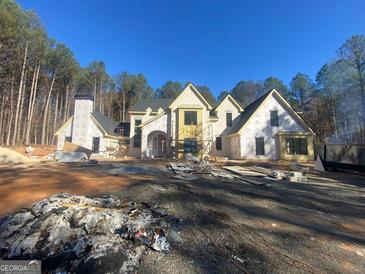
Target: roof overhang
[
  {"x": 198, "y": 94},
  {"x": 58, "y": 132}
]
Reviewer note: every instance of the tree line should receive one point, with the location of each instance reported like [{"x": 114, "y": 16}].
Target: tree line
[{"x": 39, "y": 78}]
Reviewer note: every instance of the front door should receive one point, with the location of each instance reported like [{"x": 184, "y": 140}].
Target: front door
[
  {"x": 158, "y": 145},
  {"x": 96, "y": 144}
]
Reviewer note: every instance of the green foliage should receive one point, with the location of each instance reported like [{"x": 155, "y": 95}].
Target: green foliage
[
  {"x": 271, "y": 83},
  {"x": 222, "y": 95},
  {"x": 169, "y": 90},
  {"x": 302, "y": 89},
  {"x": 247, "y": 91},
  {"x": 207, "y": 94}
]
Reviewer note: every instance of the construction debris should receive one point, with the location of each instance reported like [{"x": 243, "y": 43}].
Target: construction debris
[
  {"x": 296, "y": 177},
  {"x": 70, "y": 157},
  {"x": 188, "y": 170},
  {"x": 244, "y": 171},
  {"x": 9, "y": 156},
  {"x": 71, "y": 233},
  {"x": 134, "y": 170},
  {"x": 71, "y": 147}
]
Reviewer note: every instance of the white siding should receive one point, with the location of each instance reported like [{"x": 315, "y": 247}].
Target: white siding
[
  {"x": 94, "y": 131},
  {"x": 159, "y": 124},
  {"x": 259, "y": 126},
  {"x": 66, "y": 132},
  {"x": 220, "y": 127}
]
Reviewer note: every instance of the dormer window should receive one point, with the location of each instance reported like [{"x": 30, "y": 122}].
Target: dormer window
[{"x": 274, "y": 118}]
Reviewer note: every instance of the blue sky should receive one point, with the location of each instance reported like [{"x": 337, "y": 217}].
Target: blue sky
[{"x": 213, "y": 43}]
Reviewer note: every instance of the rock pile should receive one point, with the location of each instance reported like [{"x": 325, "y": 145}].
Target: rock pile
[{"x": 72, "y": 233}]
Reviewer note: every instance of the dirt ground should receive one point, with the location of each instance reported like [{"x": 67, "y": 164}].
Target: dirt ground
[{"x": 228, "y": 226}]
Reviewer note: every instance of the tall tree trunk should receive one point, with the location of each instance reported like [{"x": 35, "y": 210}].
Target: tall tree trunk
[
  {"x": 11, "y": 110},
  {"x": 20, "y": 94},
  {"x": 2, "y": 114},
  {"x": 65, "y": 114},
  {"x": 123, "y": 106},
  {"x": 55, "y": 120},
  {"x": 19, "y": 133},
  {"x": 101, "y": 96},
  {"x": 362, "y": 96},
  {"x": 32, "y": 97},
  {"x": 45, "y": 112},
  {"x": 95, "y": 92}
]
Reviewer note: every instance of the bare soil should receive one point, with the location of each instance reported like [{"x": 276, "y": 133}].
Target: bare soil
[{"x": 229, "y": 226}]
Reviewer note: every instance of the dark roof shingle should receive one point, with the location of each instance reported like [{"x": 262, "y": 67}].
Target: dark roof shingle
[
  {"x": 109, "y": 125},
  {"x": 248, "y": 112},
  {"x": 153, "y": 103}
]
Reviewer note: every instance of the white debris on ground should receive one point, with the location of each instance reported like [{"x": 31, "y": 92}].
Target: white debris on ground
[
  {"x": 9, "y": 156},
  {"x": 188, "y": 169},
  {"x": 71, "y": 233}
]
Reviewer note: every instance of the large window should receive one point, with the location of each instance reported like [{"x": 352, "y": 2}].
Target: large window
[
  {"x": 218, "y": 143},
  {"x": 190, "y": 118},
  {"x": 260, "y": 146},
  {"x": 296, "y": 146},
  {"x": 68, "y": 139},
  {"x": 274, "y": 118},
  {"x": 137, "y": 133},
  {"x": 190, "y": 145},
  {"x": 229, "y": 119}
]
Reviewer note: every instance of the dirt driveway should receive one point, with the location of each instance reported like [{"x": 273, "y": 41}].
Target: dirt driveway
[{"x": 228, "y": 226}]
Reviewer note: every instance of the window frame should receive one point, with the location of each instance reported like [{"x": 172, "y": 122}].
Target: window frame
[
  {"x": 274, "y": 119},
  {"x": 137, "y": 138},
  {"x": 218, "y": 143},
  {"x": 190, "y": 117},
  {"x": 95, "y": 149},
  {"x": 189, "y": 144},
  {"x": 229, "y": 121},
  {"x": 296, "y": 146},
  {"x": 259, "y": 151}
]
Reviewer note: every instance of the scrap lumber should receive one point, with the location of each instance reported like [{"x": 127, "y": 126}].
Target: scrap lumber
[
  {"x": 71, "y": 147},
  {"x": 244, "y": 171}
]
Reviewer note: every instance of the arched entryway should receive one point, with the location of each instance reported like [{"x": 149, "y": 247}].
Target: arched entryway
[{"x": 156, "y": 144}]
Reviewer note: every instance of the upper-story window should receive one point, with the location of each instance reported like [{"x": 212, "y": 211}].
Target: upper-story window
[
  {"x": 190, "y": 118},
  {"x": 137, "y": 133},
  {"x": 274, "y": 118},
  {"x": 229, "y": 119}
]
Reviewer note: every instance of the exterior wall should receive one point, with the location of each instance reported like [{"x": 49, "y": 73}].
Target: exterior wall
[
  {"x": 189, "y": 101},
  {"x": 160, "y": 124},
  {"x": 81, "y": 125},
  {"x": 299, "y": 158},
  {"x": 235, "y": 147},
  {"x": 259, "y": 126},
  {"x": 220, "y": 128},
  {"x": 189, "y": 131},
  {"x": 66, "y": 132},
  {"x": 137, "y": 151},
  {"x": 94, "y": 131}
]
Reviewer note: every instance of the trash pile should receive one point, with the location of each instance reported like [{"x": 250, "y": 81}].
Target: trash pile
[
  {"x": 71, "y": 233},
  {"x": 187, "y": 170}
]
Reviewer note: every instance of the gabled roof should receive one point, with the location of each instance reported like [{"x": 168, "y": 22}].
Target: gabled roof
[
  {"x": 198, "y": 94},
  {"x": 154, "y": 103},
  {"x": 251, "y": 109},
  {"x": 248, "y": 112},
  {"x": 228, "y": 97},
  {"x": 108, "y": 125}
]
